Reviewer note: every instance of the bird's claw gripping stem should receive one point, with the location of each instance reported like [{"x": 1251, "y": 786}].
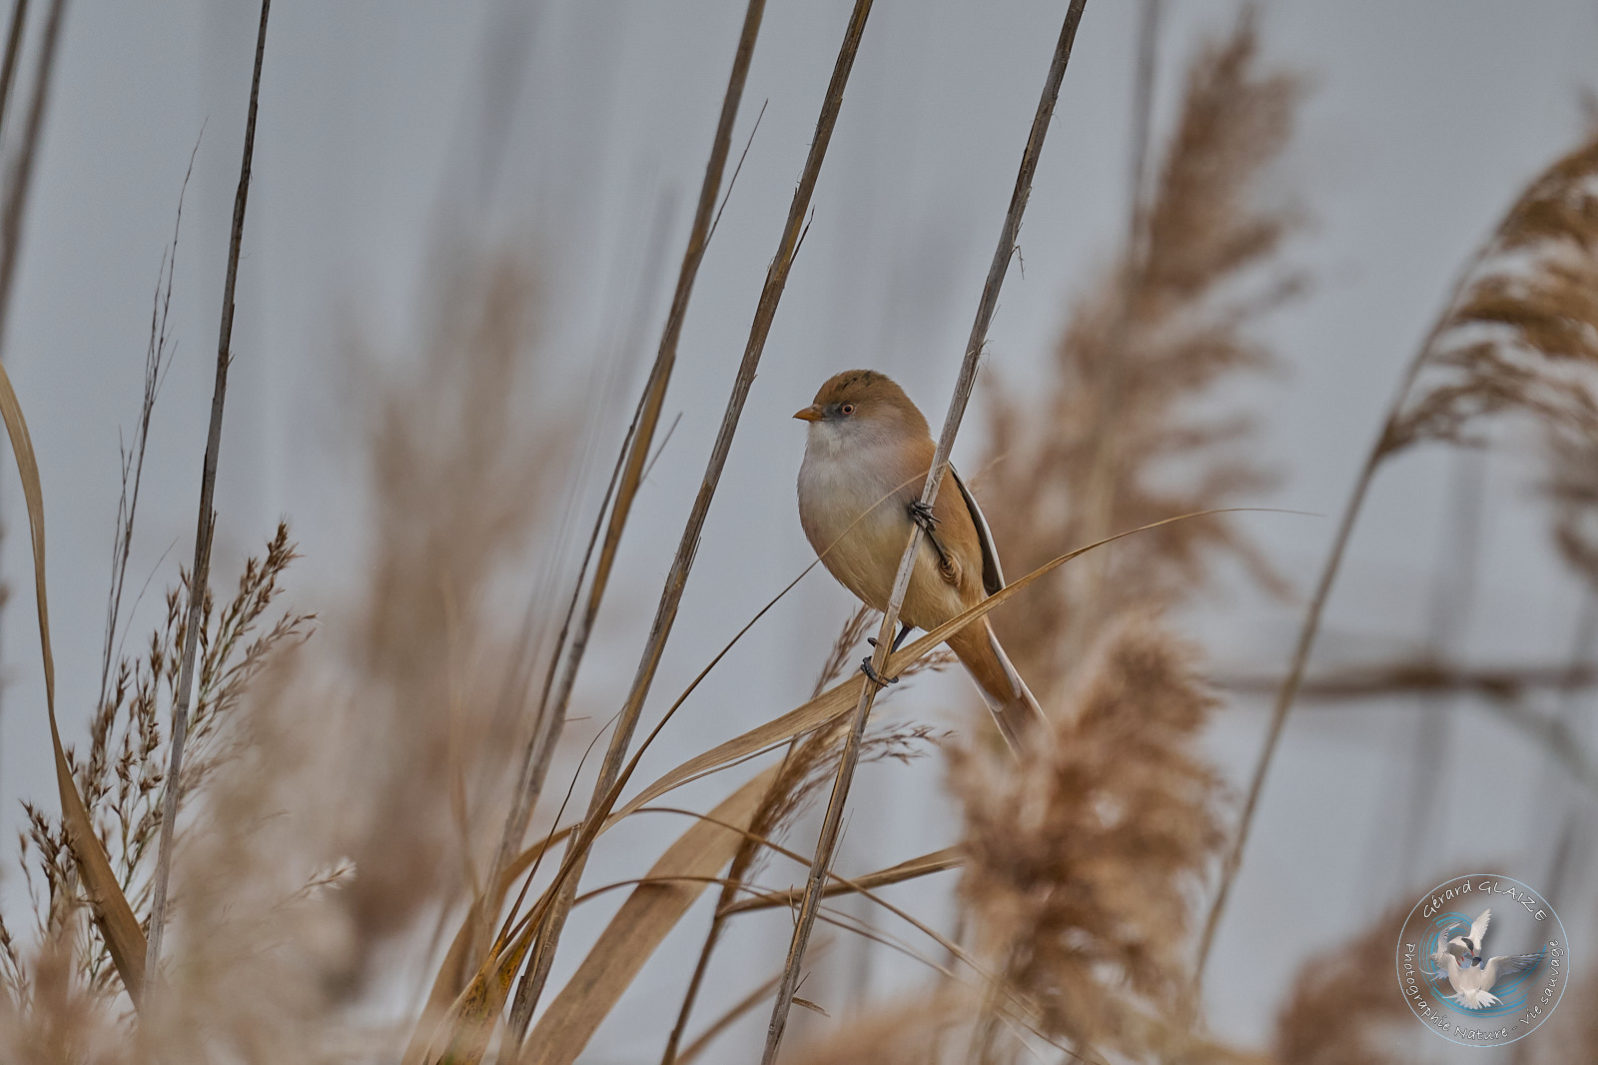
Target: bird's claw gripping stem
[
  {"x": 871, "y": 674},
  {"x": 921, "y": 513}
]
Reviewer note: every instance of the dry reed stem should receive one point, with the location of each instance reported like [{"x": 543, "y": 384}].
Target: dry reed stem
[
  {"x": 677, "y": 578},
  {"x": 8, "y": 68},
  {"x": 808, "y": 763},
  {"x": 475, "y": 1007},
  {"x": 109, "y": 906},
  {"x": 832, "y": 822},
  {"x": 20, "y": 182},
  {"x": 631, "y": 468},
  {"x": 911, "y": 869},
  {"x": 204, "y": 527},
  {"x": 1213, "y": 267},
  {"x": 1529, "y": 290},
  {"x": 1427, "y": 676}
]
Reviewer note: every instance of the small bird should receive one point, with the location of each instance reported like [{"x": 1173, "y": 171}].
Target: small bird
[
  {"x": 1470, "y": 942},
  {"x": 1459, "y": 961},
  {"x": 866, "y": 460}
]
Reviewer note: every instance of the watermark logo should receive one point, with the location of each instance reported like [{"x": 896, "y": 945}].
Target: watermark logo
[{"x": 1483, "y": 960}]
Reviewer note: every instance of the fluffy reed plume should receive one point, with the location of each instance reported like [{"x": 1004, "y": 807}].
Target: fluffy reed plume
[
  {"x": 123, "y": 773},
  {"x": 1572, "y": 487},
  {"x": 1082, "y": 863},
  {"x": 1522, "y": 334},
  {"x": 1163, "y": 327},
  {"x": 1340, "y": 1011},
  {"x": 463, "y": 448}
]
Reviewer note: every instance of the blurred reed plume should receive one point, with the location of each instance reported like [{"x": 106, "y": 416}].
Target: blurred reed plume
[
  {"x": 1152, "y": 339},
  {"x": 121, "y": 777},
  {"x": 1522, "y": 334},
  {"x": 1083, "y": 862},
  {"x": 464, "y": 445},
  {"x": 1342, "y": 1009}
]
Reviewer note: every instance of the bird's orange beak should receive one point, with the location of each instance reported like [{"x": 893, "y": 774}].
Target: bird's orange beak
[{"x": 811, "y": 413}]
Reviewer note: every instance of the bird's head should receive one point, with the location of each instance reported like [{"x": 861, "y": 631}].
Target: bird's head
[{"x": 859, "y": 407}]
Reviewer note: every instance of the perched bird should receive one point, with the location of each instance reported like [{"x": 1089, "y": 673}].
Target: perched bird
[{"x": 866, "y": 461}]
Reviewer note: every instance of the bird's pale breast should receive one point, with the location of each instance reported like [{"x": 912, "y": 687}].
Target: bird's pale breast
[{"x": 853, "y": 510}]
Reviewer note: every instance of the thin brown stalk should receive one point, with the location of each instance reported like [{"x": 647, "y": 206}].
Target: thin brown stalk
[
  {"x": 635, "y": 449},
  {"x": 1425, "y": 676},
  {"x": 666, "y": 613},
  {"x": 1289, "y": 689},
  {"x": 200, "y": 574},
  {"x": 832, "y": 823},
  {"x": 20, "y": 181},
  {"x": 8, "y": 69},
  {"x": 798, "y": 764},
  {"x": 731, "y": 1015},
  {"x": 1538, "y": 319}
]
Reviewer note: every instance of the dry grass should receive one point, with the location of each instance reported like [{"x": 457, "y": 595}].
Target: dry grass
[
  {"x": 1522, "y": 335},
  {"x": 344, "y": 800},
  {"x": 1082, "y": 864}
]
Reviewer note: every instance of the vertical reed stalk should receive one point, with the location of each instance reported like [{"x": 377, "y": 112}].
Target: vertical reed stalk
[
  {"x": 8, "y": 69},
  {"x": 832, "y": 823},
  {"x": 199, "y": 579},
  {"x": 676, "y": 580},
  {"x": 20, "y": 182},
  {"x": 640, "y": 436},
  {"x": 1301, "y": 652}
]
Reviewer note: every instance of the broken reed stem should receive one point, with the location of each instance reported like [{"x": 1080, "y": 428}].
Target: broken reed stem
[
  {"x": 832, "y": 823},
  {"x": 677, "y": 579},
  {"x": 199, "y": 577}
]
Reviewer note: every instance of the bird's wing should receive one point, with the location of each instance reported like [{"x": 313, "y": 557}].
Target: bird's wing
[
  {"x": 992, "y": 575},
  {"x": 1508, "y": 965},
  {"x": 1478, "y": 928}
]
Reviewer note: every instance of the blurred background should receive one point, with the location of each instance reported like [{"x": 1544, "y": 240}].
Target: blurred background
[{"x": 401, "y": 143}]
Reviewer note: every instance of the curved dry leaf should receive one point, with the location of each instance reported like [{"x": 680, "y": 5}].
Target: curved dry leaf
[
  {"x": 650, "y": 912},
  {"x": 112, "y": 914}
]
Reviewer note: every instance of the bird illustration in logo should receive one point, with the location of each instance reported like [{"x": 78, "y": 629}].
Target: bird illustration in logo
[{"x": 1459, "y": 959}]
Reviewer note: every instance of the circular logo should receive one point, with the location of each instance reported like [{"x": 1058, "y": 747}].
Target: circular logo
[{"x": 1483, "y": 960}]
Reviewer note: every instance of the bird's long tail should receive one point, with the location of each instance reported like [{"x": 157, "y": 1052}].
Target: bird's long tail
[{"x": 1015, "y": 710}]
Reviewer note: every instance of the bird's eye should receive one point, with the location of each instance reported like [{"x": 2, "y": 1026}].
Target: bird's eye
[{"x": 847, "y": 408}]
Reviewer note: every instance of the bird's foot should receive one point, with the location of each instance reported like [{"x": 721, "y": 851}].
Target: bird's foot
[
  {"x": 871, "y": 674},
  {"x": 921, "y": 513},
  {"x": 898, "y": 641}
]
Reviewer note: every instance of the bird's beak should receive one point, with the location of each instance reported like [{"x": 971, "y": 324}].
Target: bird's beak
[{"x": 811, "y": 413}]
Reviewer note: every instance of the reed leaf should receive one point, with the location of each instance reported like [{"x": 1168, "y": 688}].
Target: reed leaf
[{"x": 112, "y": 914}]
